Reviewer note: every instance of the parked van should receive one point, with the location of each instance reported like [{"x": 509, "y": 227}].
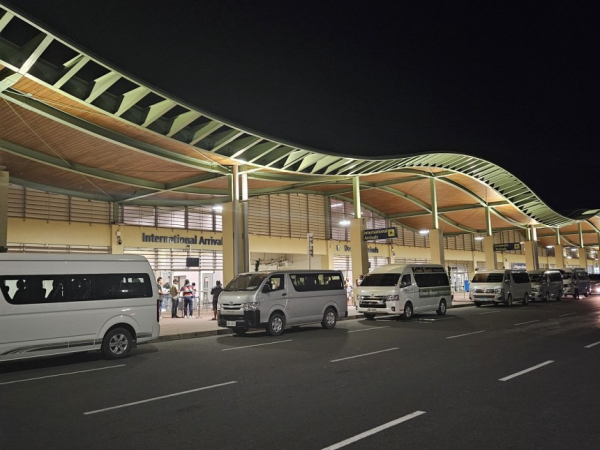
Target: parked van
[
  {"x": 403, "y": 290},
  {"x": 546, "y": 285},
  {"x": 500, "y": 286},
  {"x": 576, "y": 281},
  {"x": 274, "y": 300},
  {"x": 56, "y": 304}
]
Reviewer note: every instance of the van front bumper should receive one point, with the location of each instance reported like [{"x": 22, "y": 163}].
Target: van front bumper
[
  {"x": 387, "y": 308},
  {"x": 482, "y": 298},
  {"x": 248, "y": 319}
]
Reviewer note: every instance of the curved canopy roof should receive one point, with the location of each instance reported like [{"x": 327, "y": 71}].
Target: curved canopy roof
[{"x": 72, "y": 123}]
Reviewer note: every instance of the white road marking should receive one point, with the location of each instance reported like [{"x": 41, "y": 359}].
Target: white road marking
[
  {"x": 61, "y": 374},
  {"x": 466, "y": 334},
  {"x": 570, "y": 314},
  {"x": 367, "y": 329},
  {"x": 525, "y": 323},
  {"x": 372, "y": 431},
  {"x": 514, "y": 375},
  {"x": 158, "y": 398},
  {"x": 255, "y": 345},
  {"x": 489, "y": 312},
  {"x": 365, "y": 354},
  {"x": 592, "y": 345}
]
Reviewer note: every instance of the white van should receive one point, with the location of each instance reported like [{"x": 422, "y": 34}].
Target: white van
[
  {"x": 575, "y": 281},
  {"x": 500, "y": 286},
  {"x": 403, "y": 290},
  {"x": 56, "y": 304},
  {"x": 273, "y": 300}
]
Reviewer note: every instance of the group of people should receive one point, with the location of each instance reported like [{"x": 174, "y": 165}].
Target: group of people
[
  {"x": 187, "y": 292},
  {"x": 350, "y": 289}
]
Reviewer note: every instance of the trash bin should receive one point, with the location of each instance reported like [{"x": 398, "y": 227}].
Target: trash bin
[{"x": 466, "y": 285}]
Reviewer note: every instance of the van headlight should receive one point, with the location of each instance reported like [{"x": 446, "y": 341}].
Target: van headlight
[
  {"x": 218, "y": 306},
  {"x": 498, "y": 290},
  {"x": 251, "y": 306},
  {"x": 392, "y": 298}
]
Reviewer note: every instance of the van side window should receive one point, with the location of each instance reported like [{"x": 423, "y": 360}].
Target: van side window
[
  {"x": 277, "y": 282},
  {"x": 303, "y": 282},
  {"x": 405, "y": 281},
  {"x": 30, "y": 289}
]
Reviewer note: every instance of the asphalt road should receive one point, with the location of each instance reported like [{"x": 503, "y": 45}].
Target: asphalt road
[{"x": 477, "y": 378}]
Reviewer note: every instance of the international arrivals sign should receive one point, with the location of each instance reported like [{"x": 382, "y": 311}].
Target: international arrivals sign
[
  {"x": 507, "y": 247},
  {"x": 177, "y": 239},
  {"x": 380, "y": 233}
]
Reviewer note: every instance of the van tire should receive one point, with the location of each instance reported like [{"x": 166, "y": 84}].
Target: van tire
[
  {"x": 442, "y": 309},
  {"x": 509, "y": 300},
  {"x": 369, "y": 316},
  {"x": 525, "y": 299},
  {"x": 408, "y": 311},
  {"x": 586, "y": 293},
  {"x": 329, "y": 319},
  {"x": 117, "y": 343},
  {"x": 276, "y": 324},
  {"x": 546, "y": 297},
  {"x": 478, "y": 304},
  {"x": 559, "y": 296},
  {"x": 240, "y": 331}
]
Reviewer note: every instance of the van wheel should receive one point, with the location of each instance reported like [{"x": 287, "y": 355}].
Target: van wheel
[
  {"x": 559, "y": 296},
  {"x": 276, "y": 324},
  {"x": 509, "y": 300},
  {"x": 117, "y": 343},
  {"x": 586, "y": 293},
  {"x": 478, "y": 304},
  {"x": 525, "y": 299},
  {"x": 369, "y": 316},
  {"x": 442, "y": 309},
  {"x": 240, "y": 331},
  {"x": 546, "y": 297},
  {"x": 408, "y": 311},
  {"x": 329, "y": 319}
]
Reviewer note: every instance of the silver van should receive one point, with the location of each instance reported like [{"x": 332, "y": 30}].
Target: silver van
[
  {"x": 546, "y": 285},
  {"x": 576, "y": 281},
  {"x": 274, "y": 300},
  {"x": 500, "y": 286}
]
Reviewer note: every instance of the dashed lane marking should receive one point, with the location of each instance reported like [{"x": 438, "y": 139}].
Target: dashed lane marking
[
  {"x": 522, "y": 372},
  {"x": 372, "y": 431},
  {"x": 159, "y": 398},
  {"x": 365, "y": 354},
  {"x": 61, "y": 374}
]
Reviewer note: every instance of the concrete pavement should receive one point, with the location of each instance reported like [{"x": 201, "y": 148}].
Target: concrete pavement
[{"x": 202, "y": 325}]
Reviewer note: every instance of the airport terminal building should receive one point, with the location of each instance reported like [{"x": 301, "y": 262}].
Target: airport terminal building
[{"x": 94, "y": 160}]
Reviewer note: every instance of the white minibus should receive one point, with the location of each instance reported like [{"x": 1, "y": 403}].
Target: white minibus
[
  {"x": 274, "y": 300},
  {"x": 402, "y": 290},
  {"x": 53, "y": 304}
]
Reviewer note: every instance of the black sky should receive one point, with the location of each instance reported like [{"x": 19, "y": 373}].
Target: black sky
[{"x": 514, "y": 84}]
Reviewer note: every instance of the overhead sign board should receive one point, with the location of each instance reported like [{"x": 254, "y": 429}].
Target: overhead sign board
[
  {"x": 507, "y": 247},
  {"x": 380, "y": 233}
]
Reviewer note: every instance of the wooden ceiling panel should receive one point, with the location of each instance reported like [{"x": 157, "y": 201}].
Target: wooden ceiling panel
[
  {"x": 513, "y": 213},
  {"x": 32, "y": 131},
  {"x": 418, "y": 189},
  {"x": 387, "y": 203},
  {"x": 486, "y": 193}
]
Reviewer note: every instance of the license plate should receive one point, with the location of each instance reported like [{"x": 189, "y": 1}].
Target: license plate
[
  {"x": 371, "y": 310},
  {"x": 231, "y": 323}
]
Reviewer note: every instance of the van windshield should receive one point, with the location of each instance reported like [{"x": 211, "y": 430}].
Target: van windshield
[
  {"x": 246, "y": 282},
  {"x": 381, "y": 279},
  {"x": 488, "y": 278}
]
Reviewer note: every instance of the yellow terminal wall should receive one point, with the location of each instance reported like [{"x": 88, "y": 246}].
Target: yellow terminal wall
[{"x": 40, "y": 232}]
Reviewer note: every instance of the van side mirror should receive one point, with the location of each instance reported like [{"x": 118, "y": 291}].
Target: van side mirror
[{"x": 266, "y": 288}]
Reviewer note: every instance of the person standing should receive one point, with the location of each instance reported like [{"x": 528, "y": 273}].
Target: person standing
[
  {"x": 348, "y": 286},
  {"x": 187, "y": 291},
  {"x": 174, "y": 291},
  {"x": 161, "y": 294},
  {"x": 215, "y": 292}
]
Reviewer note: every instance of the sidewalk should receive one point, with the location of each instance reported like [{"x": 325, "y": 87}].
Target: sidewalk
[{"x": 185, "y": 328}]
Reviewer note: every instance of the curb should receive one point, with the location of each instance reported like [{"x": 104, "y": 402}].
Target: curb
[{"x": 225, "y": 331}]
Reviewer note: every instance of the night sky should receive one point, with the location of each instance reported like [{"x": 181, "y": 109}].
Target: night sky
[{"x": 516, "y": 85}]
